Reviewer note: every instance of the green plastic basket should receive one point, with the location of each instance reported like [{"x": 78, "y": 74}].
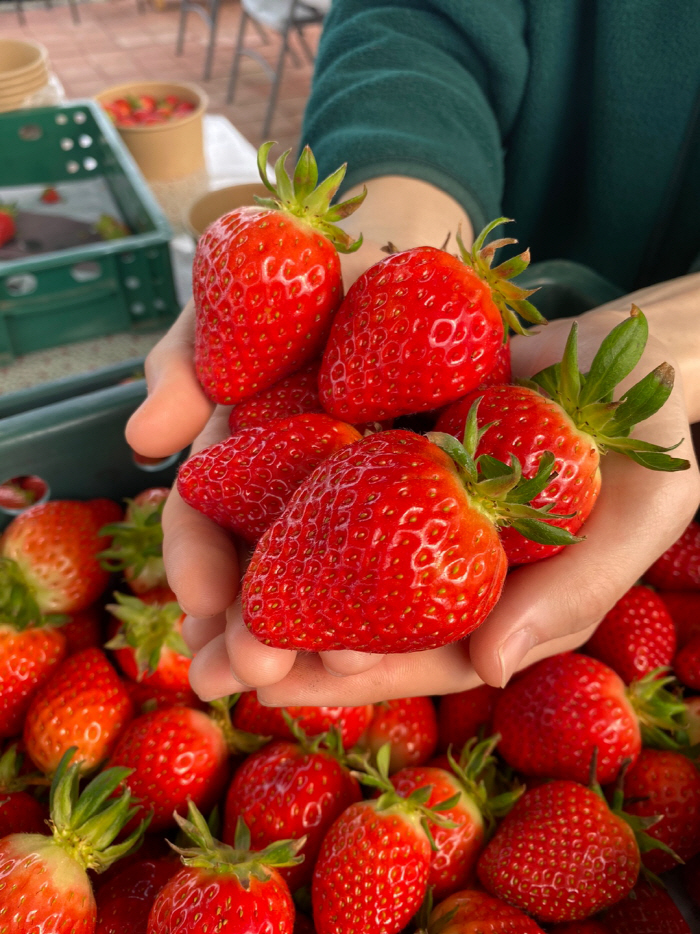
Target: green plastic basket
[{"x": 99, "y": 288}]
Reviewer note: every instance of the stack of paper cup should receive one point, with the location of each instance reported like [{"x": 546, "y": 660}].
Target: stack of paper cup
[{"x": 24, "y": 71}]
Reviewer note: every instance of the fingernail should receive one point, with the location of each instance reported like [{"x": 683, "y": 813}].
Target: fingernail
[{"x": 513, "y": 651}]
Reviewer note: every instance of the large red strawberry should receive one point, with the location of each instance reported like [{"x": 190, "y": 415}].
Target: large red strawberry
[
  {"x": 50, "y": 553},
  {"x": 250, "y": 715},
  {"x": 291, "y": 790},
  {"x": 686, "y": 664},
  {"x": 29, "y": 656},
  {"x": 678, "y": 568},
  {"x": 149, "y": 645},
  {"x": 8, "y": 229},
  {"x": 20, "y": 811},
  {"x": 666, "y": 784},
  {"x": 636, "y": 636},
  {"x": 245, "y": 482},
  {"x": 136, "y": 547},
  {"x": 649, "y": 910},
  {"x": 463, "y": 715},
  {"x": 225, "y": 887},
  {"x": 267, "y": 281},
  {"x": 124, "y": 903},
  {"x": 409, "y": 725},
  {"x": 390, "y": 545},
  {"x": 571, "y": 421},
  {"x": 84, "y": 705},
  {"x": 43, "y": 880},
  {"x": 561, "y": 854},
  {"x": 564, "y": 707},
  {"x": 293, "y": 395},
  {"x": 419, "y": 329},
  {"x": 372, "y": 872},
  {"x": 472, "y": 911}
]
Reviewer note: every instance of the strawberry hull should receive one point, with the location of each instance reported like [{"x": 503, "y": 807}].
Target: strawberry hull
[{"x": 380, "y": 550}]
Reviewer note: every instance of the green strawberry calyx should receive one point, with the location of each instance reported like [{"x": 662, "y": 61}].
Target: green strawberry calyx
[
  {"x": 587, "y": 398},
  {"x": 330, "y": 742},
  {"x": 19, "y": 606},
  {"x": 237, "y": 741},
  {"x": 662, "y": 715},
  {"x": 147, "y": 628},
  {"x": 137, "y": 543},
  {"x": 86, "y": 824},
  {"x": 499, "y": 490},
  {"x": 510, "y": 299},
  {"x": 415, "y": 805},
  {"x": 238, "y": 860},
  {"x": 9, "y": 210},
  {"x": 477, "y": 772},
  {"x": 10, "y": 777},
  {"x": 303, "y": 198}
]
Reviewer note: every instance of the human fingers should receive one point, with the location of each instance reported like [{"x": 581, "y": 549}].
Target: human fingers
[
  {"x": 252, "y": 662},
  {"x": 197, "y": 632},
  {"x": 210, "y": 673},
  {"x": 347, "y": 662},
  {"x": 176, "y": 409}
]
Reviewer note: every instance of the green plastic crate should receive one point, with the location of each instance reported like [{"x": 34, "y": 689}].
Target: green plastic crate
[
  {"x": 93, "y": 290},
  {"x": 77, "y": 446}
]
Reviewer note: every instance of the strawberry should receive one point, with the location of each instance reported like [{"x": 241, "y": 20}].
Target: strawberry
[
  {"x": 124, "y": 903},
  {"x": 136, "y": 546},
  {"x": 464, "y": 715},
  {"x": 149, "y": 645},
  {"x": 409, "y": 725},
  {"x": 291, "y": 789},
  {"x": 29, "y": 655},
  {"x": 686, "y": 664},
  {"x": 50, "y": 558},
  {"x": 50, "y": 195},
  {"x": 18, "y": 493},
  {"x": 650, "y": 910},
  {"x": 372, "y": 872},
  {"x": 564, "y": 707},
  {"x": 250, "y": 715},
  {"x": 84, "y": 705},
  {"x": 20, "y": 812},
  {"x": 147, "y": 697},
  {"x": 666, "y": 783},
  {"x": 83, "y": 630},
  {"x": 678, "y": 568},
  {"x": 561, "y": 854},
  {"x": 684, "y": 607},
  {"x": 223, "y": 885},
  {"x": 293, "y": 395},
  {"x": 8, "y": 214},
  {"x": 245, "y": 482},
  {"x": 636, "y": 636},
  {"x": 576, "y": 420},
  {"x": 478, "y": 912},
  {"x": 502, "y": 372},
  {"x": 43, "y": 880},
  {"x": 471, "y": 780},
  {"x": 419, "y": 329},
  {"x": 109, "y": 227},
  {"x": 390, "y": 545},
  {"x": 267, "y": 281}
]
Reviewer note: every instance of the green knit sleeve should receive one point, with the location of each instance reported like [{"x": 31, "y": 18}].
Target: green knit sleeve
[{"x": 429, "y": 89}]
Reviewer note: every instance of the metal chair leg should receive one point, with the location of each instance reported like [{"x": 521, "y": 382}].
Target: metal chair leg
[
  {"x": 214, "y": 14},
  {"x": 235, "y": 65},
  {"x": 75, "y": 15},
  {"x": 276, "y": 83},
  {"x": 20, "y": 13},
  {"x": 179, "y": 45},
  {"x": 305, "y": 45}
]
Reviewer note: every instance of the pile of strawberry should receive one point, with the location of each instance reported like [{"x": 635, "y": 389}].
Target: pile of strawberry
[
  {"x": 146, "y": 110},
  {"x": 129, "y": 807}
]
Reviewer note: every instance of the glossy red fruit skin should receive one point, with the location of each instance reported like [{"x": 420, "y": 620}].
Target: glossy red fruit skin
[
  {"x": 195, "y": 900},
  {"x": 636, "y": 636},
  {"x": 501, "y": 372},
  {"x": 85, "y": 705},
  {"x": 125, "y": 902},
  {"x": 558, "y": 711},
  {"x": 410, "y": 725},
  {"x": 294, "y": 395},
  {"x": 176, "y": 753},
  {"x": 464, "y": 715},
  {"x": 250, "y": 715},
  {"x": 244, "y": 482},
  {"x": 684, "y": 607},
  {"x": 55, "y": 545},
  {"x": 686, "y": 664},
  {"x": 528, "y": 424},
  {"x": 478, "y": 912},
  {"x": 28, "y": 659},
  {"x": 560, "y": 854},
  {"x": 143, "y": 692},
  {"x": 371, "y": 874},
  {"x": 453, "y": 861},
  {"x": 265, "y": 289},
  {"x": 678, "y": 568},
  {"x": 651, "y": 911},
  {"x": 20, "y": 812},
  {"x": 282, "y": 793},
  {"x": 666, "y": 783},
  {"x": 43, "y": 888},
  {"x": 416, "y": 331},
  {"x": 379, "y": 550}
]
